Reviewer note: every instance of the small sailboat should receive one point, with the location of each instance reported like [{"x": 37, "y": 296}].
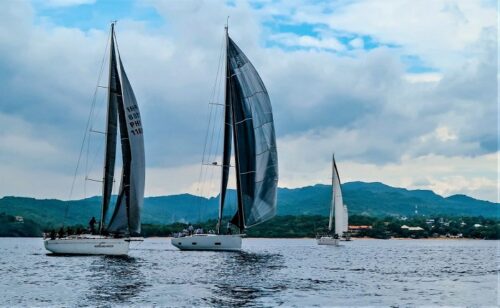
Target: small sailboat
[
  {"x": 113, "y": 237},
  {"x": 249, "y": 126},
  {"x": 338, "y": 210}
]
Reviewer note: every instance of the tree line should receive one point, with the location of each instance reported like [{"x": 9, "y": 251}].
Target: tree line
[{"x": 303, "y": 226}]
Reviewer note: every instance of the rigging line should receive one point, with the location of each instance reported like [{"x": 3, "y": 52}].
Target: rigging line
[
  {"x": 213, "y": 150},
  {"x": 221, "y": 119},
  {"x": 208, "y": 127},
  {"x": 216, "y": 147},
  {"x": 86, "y": 131},
  {"x": 202, "y": 176},
  {"x": 218, "y": 119},
  {"x": 207, "y": 183},
  {"x": 91, "y": 166}
]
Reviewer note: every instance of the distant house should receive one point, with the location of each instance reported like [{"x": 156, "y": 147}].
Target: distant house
[
  {"x": 477, "y": 225},
  {"x": 19, "y": 219},
  {"x": 356, "y": 229},
  {"x": 353, "y": 228},
  {"x": 459, "y": 235},
  {"x": 430, "y": 221},
  {"x": 405, "y": 227}
]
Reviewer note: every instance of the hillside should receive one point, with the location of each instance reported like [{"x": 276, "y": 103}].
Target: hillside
[{"x": 373, "y": 199}]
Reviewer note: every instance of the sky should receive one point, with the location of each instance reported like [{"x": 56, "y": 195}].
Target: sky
[{"x": 403, "y": 92}]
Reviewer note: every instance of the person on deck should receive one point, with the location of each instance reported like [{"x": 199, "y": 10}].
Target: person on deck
[
  {"x": 52, "y": 234},
  {"x": 229, "y": 231},
  {"x": 190, "y": 229},
  {"x": 92, "y": 222},
  {"x": 61, "y": 232}
]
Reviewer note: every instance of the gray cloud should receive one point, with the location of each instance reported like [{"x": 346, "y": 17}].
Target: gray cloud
[{"x": 360, "y": 102}]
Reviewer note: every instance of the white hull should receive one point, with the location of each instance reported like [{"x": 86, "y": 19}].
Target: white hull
[
  {"x": 327, "y": 240},
  {"x": 208, "y": 242},
  {"x": 88, "y": 245}
]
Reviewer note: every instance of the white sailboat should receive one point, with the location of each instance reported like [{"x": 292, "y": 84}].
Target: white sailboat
[
  {"x": 113, "y": 237},
  {"x": 248, "y": 124},
  {"x": 338, "y": 210}
]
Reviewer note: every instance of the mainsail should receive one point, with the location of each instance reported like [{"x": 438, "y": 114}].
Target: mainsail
[
  {"x": 337, "y": 202},
  {"x": 126, "y": 214},
  {"x": 248, "y": 109}
]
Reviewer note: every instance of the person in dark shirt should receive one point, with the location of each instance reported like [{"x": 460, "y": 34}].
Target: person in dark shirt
[
  {"x": 52, "y": 234},
  {"x": 61, "y": 232},
  {"x": 92, "y": 222}
]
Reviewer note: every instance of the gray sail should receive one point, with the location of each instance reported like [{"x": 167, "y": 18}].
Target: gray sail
[
  {"x": 114, "y": 93},
  {"x": 255, "y": 141},
  {"x": 127, "y": 213}
]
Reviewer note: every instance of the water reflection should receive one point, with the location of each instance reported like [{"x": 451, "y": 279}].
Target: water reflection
[
  {"x": 244, "y": 278},
  {"x": 114, "y": 280}
]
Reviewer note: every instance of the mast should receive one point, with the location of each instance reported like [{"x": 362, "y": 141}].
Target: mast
[
  {"x": 332, "y": 206},
  {"x": 111, "y": 133},
  {"x": 226, "y": 152}
]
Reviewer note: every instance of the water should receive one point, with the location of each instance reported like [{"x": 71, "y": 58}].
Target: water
[{"x": 268, "y": 273}]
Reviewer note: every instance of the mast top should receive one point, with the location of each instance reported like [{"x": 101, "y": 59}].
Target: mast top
[{"x": 226, "y": 27}]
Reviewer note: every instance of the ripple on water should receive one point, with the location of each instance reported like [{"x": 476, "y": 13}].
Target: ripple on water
[{"x": 267, "y": 273}]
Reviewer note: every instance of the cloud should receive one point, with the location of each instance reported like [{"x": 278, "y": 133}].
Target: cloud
[
  {"x": 306, "y": 41},
  {"x": 438, "y": 31},
  {"x": 66, "y": 3},
  {"x": 338, "y": 92},
  {"x": 445, "y": 175}
]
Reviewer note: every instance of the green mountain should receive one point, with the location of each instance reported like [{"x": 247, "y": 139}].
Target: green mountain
[{"x": 373, "y": 199}]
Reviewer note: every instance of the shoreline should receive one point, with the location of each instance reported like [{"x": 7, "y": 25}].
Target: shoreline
[{"x": 309, "y": 238}]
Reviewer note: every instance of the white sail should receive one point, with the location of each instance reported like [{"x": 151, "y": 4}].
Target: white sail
[
  {"x": 337, "y": 208},
  {"x": 345, "y": 226}
]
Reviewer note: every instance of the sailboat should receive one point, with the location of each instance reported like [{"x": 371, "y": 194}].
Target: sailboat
[
  {"x": 113, "y": 237},
  {"x": 249, "y": 127},
  {"x": 338, "y": 210}
]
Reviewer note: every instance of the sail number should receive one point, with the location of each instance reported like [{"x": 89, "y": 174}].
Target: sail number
[{"x": 134, "y": 120}]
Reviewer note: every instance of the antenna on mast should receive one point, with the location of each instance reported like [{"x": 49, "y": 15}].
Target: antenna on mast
[{"x": 227, "y": 24}]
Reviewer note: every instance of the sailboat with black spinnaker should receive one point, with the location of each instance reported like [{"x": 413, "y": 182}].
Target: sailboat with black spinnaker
[{"x": 248, "y": 128}]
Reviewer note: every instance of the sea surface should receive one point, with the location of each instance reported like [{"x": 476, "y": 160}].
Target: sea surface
[{"x": 268, "y": 272}]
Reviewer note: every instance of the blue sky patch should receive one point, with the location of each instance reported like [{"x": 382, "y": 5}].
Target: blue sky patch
[
  {"x": 98, "y": 15},
  {"x": 414, "y": 64}
]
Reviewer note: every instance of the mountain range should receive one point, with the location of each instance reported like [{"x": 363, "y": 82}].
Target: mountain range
[{"x": 372, "y": 199}]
